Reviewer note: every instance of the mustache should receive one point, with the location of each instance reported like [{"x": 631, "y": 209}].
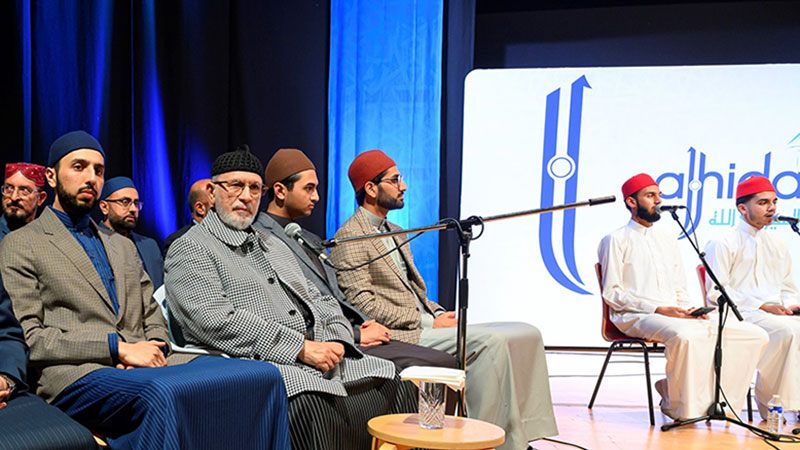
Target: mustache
[
  {"x": 88, "y": 188},
  {"x": 239, "y": 204}
]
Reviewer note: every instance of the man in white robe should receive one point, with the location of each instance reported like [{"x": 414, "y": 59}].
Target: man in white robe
[
  {"x": 644, "y": 284},
  {"x": 755, "y": 268}
]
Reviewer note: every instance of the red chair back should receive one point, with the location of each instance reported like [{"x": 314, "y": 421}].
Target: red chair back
[
  {"x": 609, "y": 331},
  {"x": 701, "y": 276}
]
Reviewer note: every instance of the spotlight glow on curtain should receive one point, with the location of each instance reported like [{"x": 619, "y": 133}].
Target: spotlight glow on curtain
[
  {"x": 385, "y": 92},
  {"x": 151, "y": 170}
]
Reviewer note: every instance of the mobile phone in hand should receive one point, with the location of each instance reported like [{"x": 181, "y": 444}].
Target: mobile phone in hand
[{"x": 702, "y": 311}]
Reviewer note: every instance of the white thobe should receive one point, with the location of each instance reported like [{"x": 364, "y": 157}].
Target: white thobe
[
  {"x": 642, "y": 270},
  {"x": 506, "y": 368},
  {"x": 755, "y": 268}
]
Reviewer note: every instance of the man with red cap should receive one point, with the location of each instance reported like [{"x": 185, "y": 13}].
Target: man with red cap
[
  {"x": 507, "y": 380},
  {"x": 23, "y": 194},
  {"x": 755, "y": 268},
  {"x": 644, "y": 285}
]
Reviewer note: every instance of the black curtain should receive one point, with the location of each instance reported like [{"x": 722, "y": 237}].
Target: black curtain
[
  {"x": 459, "y": 29},
  {"x": 227, "y": 73}
]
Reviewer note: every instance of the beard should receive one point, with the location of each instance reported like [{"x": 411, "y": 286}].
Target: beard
[
  {"x": 234, "y": 219},
  {"x": 388, "y": 202},
  {"x": 644, "y": 214},
  {"x": 119, "y": 223},
  {"x": 16, "y": 216},
  {"x": 72, "y": 206}
]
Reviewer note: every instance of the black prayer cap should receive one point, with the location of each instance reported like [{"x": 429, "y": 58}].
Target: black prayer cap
[{"x": 239, "y": 160}]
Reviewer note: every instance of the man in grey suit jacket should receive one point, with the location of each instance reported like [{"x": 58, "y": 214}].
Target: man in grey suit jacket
[
  {"x": 234, "y": 289},
  {"x": 507, "y": 380},
  {"x": 98, "y": 341},
  {"x": 291, "y": 181}
]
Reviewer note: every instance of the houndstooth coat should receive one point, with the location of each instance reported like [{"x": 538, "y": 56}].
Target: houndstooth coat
[{"x": 228, "y": 289}]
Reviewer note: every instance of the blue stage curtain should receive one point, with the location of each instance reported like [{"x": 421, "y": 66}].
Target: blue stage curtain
[
  {"x": 151, "y": 168},
  {"x": 165, "y": 87},
  {"x": 385, "y": 93},
  {"x": 92, "y": 66},
  {"x": 65, "y": 56}
]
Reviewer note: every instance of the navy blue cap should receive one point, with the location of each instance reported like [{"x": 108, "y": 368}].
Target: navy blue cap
[
  {"x": 74, "y": 140},
  {"x": 115, "y": 184}
]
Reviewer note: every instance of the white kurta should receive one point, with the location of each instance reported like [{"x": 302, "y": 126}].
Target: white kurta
[
  {"x": 642, "y": 270},
  {"x": 755, "y": 268}
]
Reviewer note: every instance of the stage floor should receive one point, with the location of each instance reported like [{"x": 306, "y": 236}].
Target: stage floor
[{"x": 619, "y": 419}]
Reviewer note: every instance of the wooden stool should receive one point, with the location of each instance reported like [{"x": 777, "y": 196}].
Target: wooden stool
[{"x": 402, "y": 432}]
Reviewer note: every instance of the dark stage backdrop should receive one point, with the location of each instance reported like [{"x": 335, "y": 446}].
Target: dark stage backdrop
[
  {"x": 588, "y": 33},
  {"x": 166, "y": 87}
]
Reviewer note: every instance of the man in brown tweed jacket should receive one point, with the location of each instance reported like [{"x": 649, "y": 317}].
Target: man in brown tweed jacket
[{"x": 507, "y": 380}]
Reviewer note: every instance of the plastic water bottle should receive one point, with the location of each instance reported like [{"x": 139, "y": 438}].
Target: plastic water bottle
[{"x": 775, "y": 414}]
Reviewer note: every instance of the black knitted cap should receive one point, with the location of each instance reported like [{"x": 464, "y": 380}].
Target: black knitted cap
[{"x": 238, "y": 160}]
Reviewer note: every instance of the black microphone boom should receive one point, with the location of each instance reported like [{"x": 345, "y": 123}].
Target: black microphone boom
[
  {"x": 294, "y": 231},
  {"x": 787, "y": 219},
  {"x": 664, "y": 208}
]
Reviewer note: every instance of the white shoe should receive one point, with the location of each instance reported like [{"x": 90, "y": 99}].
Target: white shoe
[{"x": 663, "y": 390}]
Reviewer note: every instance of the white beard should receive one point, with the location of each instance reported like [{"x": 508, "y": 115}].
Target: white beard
[{"x": 235, "y": 220}]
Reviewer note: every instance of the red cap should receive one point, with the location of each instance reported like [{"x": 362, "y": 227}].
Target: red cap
[
  {"x": 635, "y": 183},
  {"x": 367, "y": 166},
  {"x": 32, "y": 172},
  {"x": 753, "y": 185}
]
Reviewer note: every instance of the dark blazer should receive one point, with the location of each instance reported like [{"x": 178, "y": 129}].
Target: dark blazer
[
  {"x": 325, "y": 282},
  {"x": 175, "y": 235},
  {"x": 13, "y": 350},
  {"x": 4, "y": 230},
  {"x": 63, "y": 306},
  {"x": 149, "y": 254},
  {"x": 151, "y": 257}
]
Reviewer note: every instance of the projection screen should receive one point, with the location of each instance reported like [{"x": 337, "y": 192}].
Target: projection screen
[{"x": 542, "y": 137}]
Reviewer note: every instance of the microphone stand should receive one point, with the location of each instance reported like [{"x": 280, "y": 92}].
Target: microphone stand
[
  {"x": 794, "y": 227},
  {"x": 717, "y": 409},
  {"x": 465, "y": 236}
]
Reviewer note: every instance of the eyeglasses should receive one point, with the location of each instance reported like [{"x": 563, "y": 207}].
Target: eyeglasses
[
  {"x": 22, "y": 191},
  {"x": 235, "y": 188},
  {"x": 126, "y": 203},
  {"x": 395, "y": 180}
]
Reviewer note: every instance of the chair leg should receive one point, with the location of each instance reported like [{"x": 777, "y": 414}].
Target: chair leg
[
  {"x": 750, "y": 404},
  {"x": 611, "y": 349},
  {"x": 649, "y": 386}
]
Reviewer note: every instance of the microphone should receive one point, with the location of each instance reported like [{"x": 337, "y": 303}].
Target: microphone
[
  {"x": 602, "y": 200},
  {"x": 788, "y": 219},
  {"x": 294, "y": 231},
  {"x": 665, "y": 208}
]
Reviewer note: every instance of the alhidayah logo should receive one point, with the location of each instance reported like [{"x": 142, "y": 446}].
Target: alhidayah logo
[
  {"x": 564, "y": 167},
  {"x": 690, "y": 187}
]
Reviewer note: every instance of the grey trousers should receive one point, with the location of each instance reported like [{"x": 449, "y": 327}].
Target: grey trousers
[{"x": 507, "y": 381}]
